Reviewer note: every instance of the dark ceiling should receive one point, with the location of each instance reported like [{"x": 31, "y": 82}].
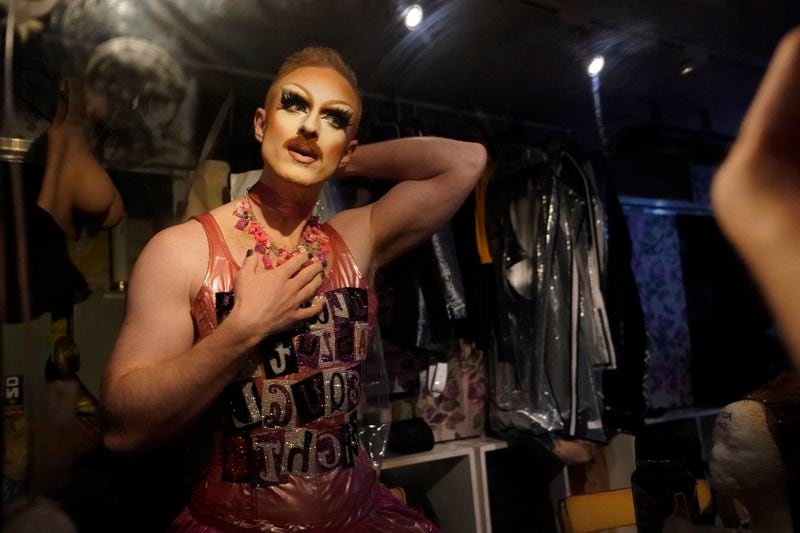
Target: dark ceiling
[{"x": 520, "y": 59}]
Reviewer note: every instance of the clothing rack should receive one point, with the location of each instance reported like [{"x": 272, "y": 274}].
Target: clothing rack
[
  {"x": 418, "y": 104},
  {"x": 480, "y": 115},
  {"x": 13, "y": 149},
  {"x": 658, "y": 206}
]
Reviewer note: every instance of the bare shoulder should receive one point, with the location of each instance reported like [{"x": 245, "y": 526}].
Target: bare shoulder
[
  {"x": 158, "y": 322},
  {"x": 176, "y": 256},
  {"x": 355, "y": 228},
  {"x": 182, "y": 241}
]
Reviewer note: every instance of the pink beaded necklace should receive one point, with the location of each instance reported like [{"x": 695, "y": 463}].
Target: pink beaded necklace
[{"x": 315, "y": 240}]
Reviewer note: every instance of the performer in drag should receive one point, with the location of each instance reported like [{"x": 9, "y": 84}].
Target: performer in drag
[{"x": 259, "y": 315}]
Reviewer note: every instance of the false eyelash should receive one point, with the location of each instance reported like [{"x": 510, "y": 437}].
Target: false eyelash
[
  {"x": 340, "y": 118},
  {"x": 289, "y": 99}
]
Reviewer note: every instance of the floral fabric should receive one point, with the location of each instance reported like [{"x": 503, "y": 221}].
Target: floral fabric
[
  {"x": 458, "y": 411},
  {"x": 656, "y": 265}
]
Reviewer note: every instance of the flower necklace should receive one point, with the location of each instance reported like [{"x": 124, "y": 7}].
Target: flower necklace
[{"x": 315, "y": 241}]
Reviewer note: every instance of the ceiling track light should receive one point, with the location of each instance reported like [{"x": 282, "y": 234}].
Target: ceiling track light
[
  {"x": 412, "y": 16},
  {"x": 595, "y": 66},
  {"x": 687, "y": 67}
]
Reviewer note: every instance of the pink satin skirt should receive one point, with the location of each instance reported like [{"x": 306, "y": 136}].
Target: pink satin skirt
[{"x": 387, "y": 515}]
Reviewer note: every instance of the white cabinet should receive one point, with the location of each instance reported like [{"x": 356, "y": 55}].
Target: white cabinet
[{"x": 453, "y": 476}]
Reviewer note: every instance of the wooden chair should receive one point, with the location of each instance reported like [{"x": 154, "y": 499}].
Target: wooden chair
[{"x": 586, "y": 513}]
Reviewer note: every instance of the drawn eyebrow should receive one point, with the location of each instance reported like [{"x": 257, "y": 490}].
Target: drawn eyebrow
[
  {"x": 327, "y": 105},
  {"x": 289, "y": 93}
]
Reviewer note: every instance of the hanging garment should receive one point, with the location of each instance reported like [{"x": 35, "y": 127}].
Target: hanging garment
[
  {"x": 429, "y": 303},
  {"x": 209, "y": 188},
  {"x": 656, "y": 266},
  {"x": 478, "y": 278},
  {"x": 240, "y": 182},
  {"x": 481, "y": 240},
  {"x": 444, "y": 250},
  {"x": 553, "y": 333},
  {"x": 425, "y": 287},
  {"x": 458, "y": 412},
  {"x": 623, "y": 386},
  {"x": 55, "y": 283}
]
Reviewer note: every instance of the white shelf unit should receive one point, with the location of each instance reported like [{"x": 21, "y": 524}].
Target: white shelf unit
[{"x": 453, "y": 475}]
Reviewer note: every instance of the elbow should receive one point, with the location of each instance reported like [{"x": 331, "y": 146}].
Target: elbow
[
  {"x": 126, "y": 436},
  {"x": 468, "y": 167},
  {"x": 118, "y": 442},
  {"x": 117, "y": 436},
  {"x": 790, "y": 43},
  {"x": 474, "y": 161}
]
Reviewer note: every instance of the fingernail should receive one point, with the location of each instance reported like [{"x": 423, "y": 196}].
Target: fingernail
[
  {"x": 305, "y": 305},
  {"x": 324, "y": 263},
  {"x": 310, "y": 255},
  {"x": 322, "y": 274},
  {"x": 249, "y": 252}
]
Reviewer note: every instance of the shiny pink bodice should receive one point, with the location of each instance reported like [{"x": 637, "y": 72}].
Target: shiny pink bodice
[{"x": 333, "y": 498}]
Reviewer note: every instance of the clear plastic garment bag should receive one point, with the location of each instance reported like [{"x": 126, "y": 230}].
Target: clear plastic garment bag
[{"x": 552, "y": 331}]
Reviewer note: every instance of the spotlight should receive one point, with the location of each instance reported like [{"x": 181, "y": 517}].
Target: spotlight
[
  {"x": 687, "y": 67},
  {"x": 413, "y": 16},
  {"x": 595, "y": 66}
]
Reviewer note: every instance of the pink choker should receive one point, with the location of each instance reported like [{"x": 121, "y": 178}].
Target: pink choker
[{"x": 265, "y": 196}]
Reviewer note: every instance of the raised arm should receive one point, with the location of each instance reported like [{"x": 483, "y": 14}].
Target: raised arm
[
  {"x": 156, "y": 382},
  {"x": 756, "y": 192},
  {"x": 435, "y": 176}
]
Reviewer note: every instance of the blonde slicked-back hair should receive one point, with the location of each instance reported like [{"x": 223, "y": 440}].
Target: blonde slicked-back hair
[{"x": 318, "y": 56}]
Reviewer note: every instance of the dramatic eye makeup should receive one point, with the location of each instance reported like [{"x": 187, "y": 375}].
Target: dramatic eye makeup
[
  {"x": 339, "y": 118},
  {"x": 292, "y": 101},
  {"x": 336, "y": 117}
]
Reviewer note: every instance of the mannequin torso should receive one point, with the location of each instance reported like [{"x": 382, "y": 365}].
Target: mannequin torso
[{"x": 746, "y": 464}]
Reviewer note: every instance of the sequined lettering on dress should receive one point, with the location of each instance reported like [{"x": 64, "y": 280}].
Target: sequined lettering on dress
[
  {"x": 328, "y": 393},
  {"x": 327, "y": 348},
  {"x": 339, "y": 304},
  {"x": 339, "y": 333},
  {"x": 329, "y": 451},
  {"x": 279, "y": 356},
  {"x": 267, "y": 441},
  {"x": 278, "y": 408},
  {"x": 357, "y": 303},
  {"x": 307, "y": 348},
  {"x": 268, "y": 449},
  {"x": 353, "y": 377},
  {"x": 324, "y": 316},
  {"x": 344, "y": 341},
  {"x": 309, "y": 398},
  {"x": 322, "y": 328},
  {"x": 349, "y": 436},
  {"x": 270, "y": 457},
  {"x": 335, "y": 392},
  {"x": 243, "y": 403},
  {"x": 360, "y": 338},
  {"x": 300, "y": 452}
]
